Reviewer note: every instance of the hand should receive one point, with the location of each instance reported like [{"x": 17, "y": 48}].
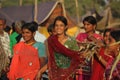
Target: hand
[
  {"x": 6, "y": 69},
  {"x": 38, "y": 76}
]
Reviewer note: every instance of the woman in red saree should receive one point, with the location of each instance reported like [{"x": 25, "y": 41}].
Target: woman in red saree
[
  {"x": 27, "y": 55},
  {"x": 101, "y": 61},
  {"x": 63, "y": 57},
  {"x": 103, "y": 58}
]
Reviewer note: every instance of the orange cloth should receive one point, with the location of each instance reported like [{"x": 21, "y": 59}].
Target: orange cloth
[{"x": 25, "y": 63}]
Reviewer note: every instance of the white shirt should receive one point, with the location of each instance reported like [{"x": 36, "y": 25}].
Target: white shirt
[{"x": 39, "y": 37}]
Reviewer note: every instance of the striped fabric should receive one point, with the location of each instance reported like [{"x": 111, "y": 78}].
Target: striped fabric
[{"x": 6, "y": 43}]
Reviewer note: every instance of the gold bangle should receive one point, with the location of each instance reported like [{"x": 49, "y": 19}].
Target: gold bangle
[{"x": 100, "y": 57}]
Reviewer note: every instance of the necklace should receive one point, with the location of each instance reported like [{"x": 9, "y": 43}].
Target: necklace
[{"x": 31, "y": 43}]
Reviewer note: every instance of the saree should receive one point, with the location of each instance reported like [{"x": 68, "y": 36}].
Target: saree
[
  {"x": 84, "y": 72},
  {"x": 98, "y": 69},
  {"x": 25, "y": 63},
  {"x": 55, "y": 72},
  {"x": 61, "y": 60},
  {"x": 83, "y": 37}
]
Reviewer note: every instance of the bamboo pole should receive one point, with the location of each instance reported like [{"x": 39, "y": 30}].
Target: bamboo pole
[
  {"x": 35, "y": 11},
  {"x": 20, "y": 2},
  {"x": 0, "y": 4},
  {"x": 77, "y": 12},
  {"x": 64, "y": 12}
]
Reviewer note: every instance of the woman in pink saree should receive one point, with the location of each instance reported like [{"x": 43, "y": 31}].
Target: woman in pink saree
[{"x": 90, "y": 35}]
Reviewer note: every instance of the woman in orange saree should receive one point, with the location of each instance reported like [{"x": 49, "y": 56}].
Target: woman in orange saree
[{"x": 26, "y": 60}]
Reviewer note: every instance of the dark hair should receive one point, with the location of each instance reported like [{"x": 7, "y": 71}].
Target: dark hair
[
  {"x": 30, "y": 26},
  {"x": 35, "y": 25},
  {"x": 91, "y": 20},
  {"x": 50, "y": 28},
  {"x": 116, "y": 35},
  {"x": 107, "y": 30},
  {"x": 61, "y": 18},
  {"x": 13, "y": 26},
  {"x": 7, "y": 29}
]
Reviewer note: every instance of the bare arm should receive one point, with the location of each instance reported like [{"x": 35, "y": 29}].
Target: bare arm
[
  {"x": 39, "y": 74},
  {"x": 101, "y": 59}
]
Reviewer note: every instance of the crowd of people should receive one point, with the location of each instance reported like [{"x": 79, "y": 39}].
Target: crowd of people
[{"x": 26, "y": 54}]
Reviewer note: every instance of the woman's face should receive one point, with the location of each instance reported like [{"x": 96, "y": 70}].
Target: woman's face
[
  {"x": 2, "y": 25},
  {"x": 60, "y": 27},
  {"x": 106, "y": 38},
  {"x": 89, "y": 27},
  {"x": 114, "y": 47},
  {"x": 27, "y": 35}
]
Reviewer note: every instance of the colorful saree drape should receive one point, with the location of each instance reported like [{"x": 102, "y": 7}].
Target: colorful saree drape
[
  {"x": 55, "y": 72},
  {"x": 86, "y": 68},
  {"x": 25, "y": 63}
]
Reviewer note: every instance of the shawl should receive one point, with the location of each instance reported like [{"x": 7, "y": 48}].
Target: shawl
[{"x": 55, "y": 72}]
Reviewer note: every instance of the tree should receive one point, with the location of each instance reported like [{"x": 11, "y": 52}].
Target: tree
[
  {"x": 83, "y": 6},
  {"x": 115, "y": 7}
]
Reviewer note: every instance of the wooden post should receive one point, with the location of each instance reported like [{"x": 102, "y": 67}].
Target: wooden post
[
  {"x": 0, "y": 4},
  {"x": 77, "y": 12},
  {"x": 64, "y": 12},
  {"x": 35, "y": 11},
  {"x": 20, "y": 2}
]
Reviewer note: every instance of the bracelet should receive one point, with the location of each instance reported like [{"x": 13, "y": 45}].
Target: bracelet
[{"x": 100, "y": 57}]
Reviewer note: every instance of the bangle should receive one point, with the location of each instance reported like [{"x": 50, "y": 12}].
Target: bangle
[{"x": 100, "y": 57}]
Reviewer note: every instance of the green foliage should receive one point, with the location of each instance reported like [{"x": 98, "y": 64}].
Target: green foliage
[
  {"x": 70, "y": 6},
  {"x": 28, "y": 2},
  {"x": 115, "y": 6},
  {"x": 7, "y": 3},
  {"x": 83, "y": 5}
]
